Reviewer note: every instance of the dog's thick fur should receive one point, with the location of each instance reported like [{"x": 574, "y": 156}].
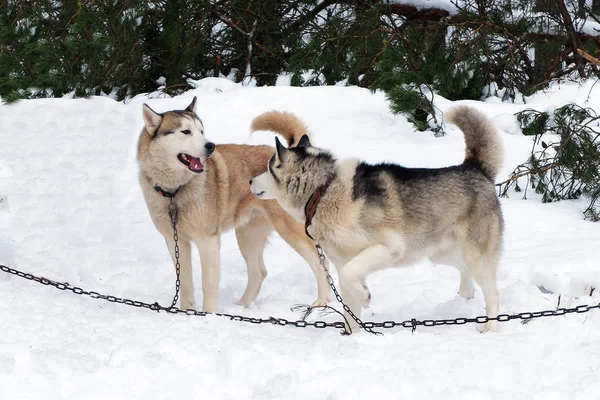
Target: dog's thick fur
[
  {"x": 213, "y": 197},
  {"x": 377, "y": 216}
]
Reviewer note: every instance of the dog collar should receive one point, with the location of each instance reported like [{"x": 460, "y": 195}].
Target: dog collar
[
  {"x": 165, "y": 193},
  {"x": 310, "y": 209}
]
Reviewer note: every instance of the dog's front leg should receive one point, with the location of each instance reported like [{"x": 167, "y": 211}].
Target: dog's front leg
[
  {"x": 186, "y": 294},
  {"x": 352, "y": 303},
  {"x": 210, "y": 257},
  {"x": 353, "y": 274}
]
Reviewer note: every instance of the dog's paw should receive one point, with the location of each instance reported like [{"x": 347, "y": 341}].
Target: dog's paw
[
  {"x": 466, "y": 292},
  {"x": 353, "y": 328},
  {"x": 490, "y": 326},
  {"x": 187, "y": 304},
  {"x": 361, "y": 293},
  {"x": 244, "y": 302},
  {"x": 466, "y": 289},
  {"x": 321, "y": 302}
]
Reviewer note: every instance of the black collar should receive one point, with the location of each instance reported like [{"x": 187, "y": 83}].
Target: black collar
[{"x": 166, "y": 193}]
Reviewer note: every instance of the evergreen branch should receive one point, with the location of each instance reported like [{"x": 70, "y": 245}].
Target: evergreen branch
[
  {"x": 528, "y": 172},
  {"x": 512, "y": 30},
  {"x": 235, "y": 27},
  {"x": 310, "y": 15}
]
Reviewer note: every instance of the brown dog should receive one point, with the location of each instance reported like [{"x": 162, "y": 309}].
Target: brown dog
[{"x": 213, "y": 196}]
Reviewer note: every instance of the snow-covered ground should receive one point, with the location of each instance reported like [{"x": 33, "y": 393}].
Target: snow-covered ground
[{"x": 71, "y": 210}]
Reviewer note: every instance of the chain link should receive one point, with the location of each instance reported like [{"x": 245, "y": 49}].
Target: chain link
[
  {"x": 174, "y": 214},
  {"x": 171, "y": 309},
  {"x": 367, "y": 326}
]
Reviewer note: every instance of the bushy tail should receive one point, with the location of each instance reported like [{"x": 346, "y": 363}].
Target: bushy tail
[
  {"x": 484, "y": 146},
  {"x": 284, "y": 123}
]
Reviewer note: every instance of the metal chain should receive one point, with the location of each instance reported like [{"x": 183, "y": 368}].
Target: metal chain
[
  {"x": 172, "y": 309},
  {"x": 412, "y": 323},
  {"x": 367, "y": 326},
  {"x": 338, "y": 297},
  {"x": 173, "y": 214}
]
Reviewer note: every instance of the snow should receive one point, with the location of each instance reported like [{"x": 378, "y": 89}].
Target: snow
[
  {"x": 427, "y": 4},
  {"x": 71, "y": 210}
]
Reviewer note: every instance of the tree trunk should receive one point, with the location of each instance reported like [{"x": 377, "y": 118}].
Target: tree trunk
[{"x": 544, "y": 50}]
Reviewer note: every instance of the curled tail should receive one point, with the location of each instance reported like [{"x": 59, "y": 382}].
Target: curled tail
[
  {"x": 284, "y": 123},
  {"x": 484, "y": 146}
]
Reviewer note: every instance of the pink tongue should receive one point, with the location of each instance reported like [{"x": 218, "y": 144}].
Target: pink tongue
[{"x": 196, "y": 164}]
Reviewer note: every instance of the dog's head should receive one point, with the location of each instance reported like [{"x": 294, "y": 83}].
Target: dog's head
[
  {"x": 293, "y": 175},
  {"x": 177, "y": 137}
]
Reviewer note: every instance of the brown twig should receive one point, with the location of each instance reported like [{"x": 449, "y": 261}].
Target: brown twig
[
  {"x": 530, "y": 172},
  {"x": 589, "y": 57}
]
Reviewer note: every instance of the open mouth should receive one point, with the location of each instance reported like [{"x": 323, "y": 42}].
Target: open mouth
[{"x": 193, "y": 163}]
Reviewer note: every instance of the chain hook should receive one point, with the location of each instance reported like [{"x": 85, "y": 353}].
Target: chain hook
[{"x": 173, "y": 213}]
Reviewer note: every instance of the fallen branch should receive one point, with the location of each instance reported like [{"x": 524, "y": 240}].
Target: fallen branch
[
  {"x": 530, "y": 172},
  {"x": 589, "y": 57}
]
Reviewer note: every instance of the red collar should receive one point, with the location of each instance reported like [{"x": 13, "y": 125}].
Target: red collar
[{"x": 310, "y": 209}]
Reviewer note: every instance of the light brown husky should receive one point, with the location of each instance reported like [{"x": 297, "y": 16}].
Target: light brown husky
[
  {"x": 211, "y": 189},
  {"x": 369, "y": 217}
]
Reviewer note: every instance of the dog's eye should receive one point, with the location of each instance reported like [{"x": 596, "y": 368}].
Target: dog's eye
[{"x": 186, "y": 132}]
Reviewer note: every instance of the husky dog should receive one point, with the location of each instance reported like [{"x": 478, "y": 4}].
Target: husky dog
[
  {"x": 210, "y": 187},
  {"x": 369, "y": 217}
]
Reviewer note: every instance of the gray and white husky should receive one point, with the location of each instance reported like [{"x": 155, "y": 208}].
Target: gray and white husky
[{"x": 369, "y": 217}]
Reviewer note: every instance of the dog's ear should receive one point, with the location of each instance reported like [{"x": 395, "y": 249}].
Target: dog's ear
[
  {"x": 281, "y": 149},
  {"x": 304, "y": 141},
  {"x": 192, "y": 106},
  {"x": 152, "y": 119}
]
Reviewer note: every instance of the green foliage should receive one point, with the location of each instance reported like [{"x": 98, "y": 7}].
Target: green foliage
[
  {"x": 409, "y": 100},
  {"x": 532, "y": 122},
  {"x": 50, "y": 49},
  {"x": 123, "y": 47},
  {"x": 422, "y": 63},
  {"x": 489, "y": 48},
  {"x": 86, "y": 47},
  {"x": 562, "y": 169},
  {"x": 341, "y": 43}
]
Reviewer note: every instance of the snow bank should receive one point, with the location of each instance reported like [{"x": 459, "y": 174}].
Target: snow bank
[{"x": 71, "y": 210}]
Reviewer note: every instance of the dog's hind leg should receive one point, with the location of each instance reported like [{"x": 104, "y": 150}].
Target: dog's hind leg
[
  {"x": 483, "y": 268},
  {"x": 293, "y": 233},
  {"x": 252, "y": 238},
  {"x": 453, "y": 257},
  {"x": 210, "y": 257},
  {"x": 186, "y": 295}
]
